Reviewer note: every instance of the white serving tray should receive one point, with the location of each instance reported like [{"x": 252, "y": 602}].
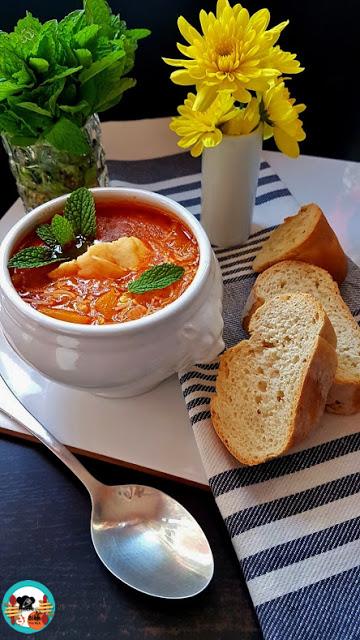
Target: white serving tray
[{"x": 153, "y": 431}]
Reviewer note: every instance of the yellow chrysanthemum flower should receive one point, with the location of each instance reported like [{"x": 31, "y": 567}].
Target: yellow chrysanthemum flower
[
  {"x": 245, "y": 121},
  {"x": 199, "y": 129},
  {"x": 281, "y": 119},
  {"x": 235, "y": 53}
]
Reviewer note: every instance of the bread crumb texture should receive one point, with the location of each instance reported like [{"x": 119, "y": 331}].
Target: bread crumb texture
[{"x": 293, "y": 276}]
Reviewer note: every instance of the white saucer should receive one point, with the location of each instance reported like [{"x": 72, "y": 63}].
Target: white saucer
[{"x": 151, "y": 431}]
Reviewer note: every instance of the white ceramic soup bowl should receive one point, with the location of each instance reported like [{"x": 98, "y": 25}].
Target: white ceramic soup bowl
[{"x": 126, "y": 359}]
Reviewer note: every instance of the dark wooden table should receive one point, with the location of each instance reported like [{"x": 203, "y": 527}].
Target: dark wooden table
[{"x": 44, "y": 536}]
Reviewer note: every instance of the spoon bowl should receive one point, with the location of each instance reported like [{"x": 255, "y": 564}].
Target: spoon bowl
[{"x": 150, "y": 542}]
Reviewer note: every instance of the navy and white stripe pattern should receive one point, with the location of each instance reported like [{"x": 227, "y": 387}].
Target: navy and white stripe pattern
[{"x": 294, "y": 521}]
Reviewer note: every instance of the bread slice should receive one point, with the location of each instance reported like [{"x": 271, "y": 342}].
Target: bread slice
[
  {"x": 307, "y": 236},
  {"x": 292, "y": 276},
  {"x": 271, "y": 389}
]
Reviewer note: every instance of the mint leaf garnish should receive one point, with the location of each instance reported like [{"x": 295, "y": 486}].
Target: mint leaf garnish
[
  {"x": 80, "y": 211},
  {"x": 46, "y": 235},
  {"x": 62, "y": 230},
  {"x": 31, "y": 257},
  {"x": 158, "y": 277},
  {"x": 66, "y": 236}
]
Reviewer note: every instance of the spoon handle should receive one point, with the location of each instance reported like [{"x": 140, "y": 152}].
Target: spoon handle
[{"x": 13, "y": 409}]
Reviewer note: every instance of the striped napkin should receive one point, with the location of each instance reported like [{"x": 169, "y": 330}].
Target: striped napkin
[{"x": 294, "y": 522}]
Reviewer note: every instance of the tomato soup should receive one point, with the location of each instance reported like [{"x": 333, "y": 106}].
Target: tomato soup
[{"x": 100, "y": 298}]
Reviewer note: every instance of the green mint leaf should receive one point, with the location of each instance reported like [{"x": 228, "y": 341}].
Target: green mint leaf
[
  {"x": 12, "y": 123},
  {"x": 46, "y": 234},
  {"x": 80, "y": 211},
  {"x": 114, "y": 93},
  {"x": 62, "y": 230},
  {"x": 118, "y": 26},
  {"x": 158, "y": 277},
  {"x": 62, "y": 74},
  {"x": 57, "y": 88},
  {"x": 9, "y": 123},
  {"x": 82, "y": 106},
  {"x": 84, "y": 57},
  {"x": 10, "y": 61},
  {"x": 8, "y": 88},
  {"x": 102, "y": 47},
  {"x": 48, "y": 46},
  {"x": 40, "y": 65},
  {"x": 69, "y": 93},
  {"x": 138, "y": 34},
  {"x": 32, "y": 106},
  {"x": 100, "y": 65},
  {"x": 104, "y": 87},
  {"x": 72, "y": 23},
  {"x": 67, "y": 136},
  {"x": 84, "y": 37},
  {"x": 24, "y": 76},
  {"x": 98, "y": 12},
  {"x": 33, "y": 257},
  {"x": 26, "y": 33},
  {"x": 23, "y": 141}
]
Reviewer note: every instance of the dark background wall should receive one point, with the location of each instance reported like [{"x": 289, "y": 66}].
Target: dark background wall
[{"x": 323, "y": 33}]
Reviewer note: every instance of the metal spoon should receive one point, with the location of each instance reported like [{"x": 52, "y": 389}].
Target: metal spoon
[{"x": 144, "y": 537}]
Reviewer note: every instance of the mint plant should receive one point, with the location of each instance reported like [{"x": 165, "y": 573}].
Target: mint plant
[{"x": 54, "y": 76}]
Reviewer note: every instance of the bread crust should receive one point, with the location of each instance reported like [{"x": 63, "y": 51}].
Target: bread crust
[
  {"x": 321, "y": 247},
  {"x": 253, "y": 303},
  {"x": 344, "y": 398},
  {"x": 310, "y": 399},
  {"x": 344, "y": 395},
  {"x": 314, "y": 392}
]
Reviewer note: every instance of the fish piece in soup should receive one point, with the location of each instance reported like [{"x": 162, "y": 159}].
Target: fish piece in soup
[{"x": 105, "y": 260}]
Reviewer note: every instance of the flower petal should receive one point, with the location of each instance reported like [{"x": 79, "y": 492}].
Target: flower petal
[
  {"x": 173, "y": 62},
  {"x": 204, "y": 97},
  {"x": 187, "y": 31},
  {"x": 204, "y": 21},
  {"x": 181, "y": 76},
  {"x": 188, "y": 51},
  {"x": 268, "y": 131},
  {"x": 221, "y": 6},
  {"x": 285, "y": 143},
  {"x": 197, "y": 149},
  {"x": 260, "y": 20},
  {"x": 242, "y": 95}
]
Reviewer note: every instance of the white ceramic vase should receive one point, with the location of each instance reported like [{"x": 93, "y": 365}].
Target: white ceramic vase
[{"x": 229, "y": 180}]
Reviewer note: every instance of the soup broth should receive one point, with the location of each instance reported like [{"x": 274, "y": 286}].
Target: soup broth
[{"x": 106, "y": 300}]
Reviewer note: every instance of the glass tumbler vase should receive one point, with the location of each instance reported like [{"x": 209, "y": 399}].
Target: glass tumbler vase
[{"x": 43, "y": 172}]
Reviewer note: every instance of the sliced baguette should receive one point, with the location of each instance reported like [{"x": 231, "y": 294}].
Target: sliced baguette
[
  {"x": 293, "y": 276},
  {"x": 271, "y": 389},
  {"x": 307, "y": 236}
]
